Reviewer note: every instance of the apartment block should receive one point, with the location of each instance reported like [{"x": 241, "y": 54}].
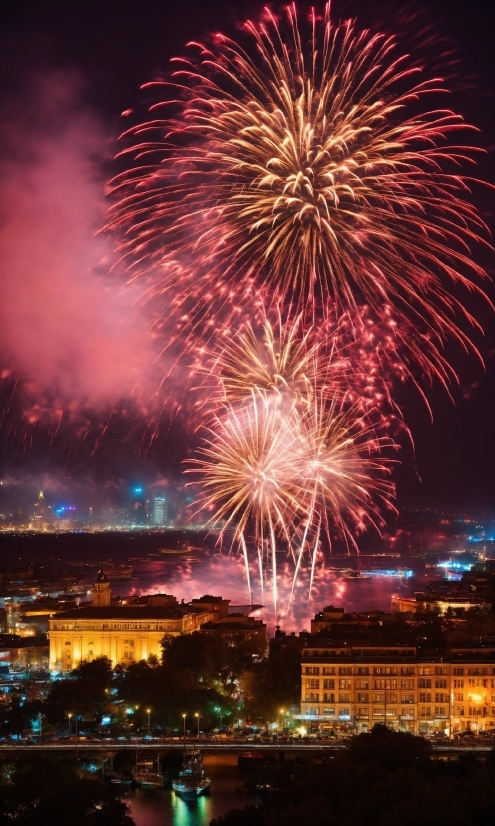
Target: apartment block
[{"x": 350, "y": 688}]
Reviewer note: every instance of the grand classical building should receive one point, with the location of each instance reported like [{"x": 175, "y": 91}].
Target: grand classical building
[
  {"x": 123, "y": 633},
  {"x": 352, "y": 687}
]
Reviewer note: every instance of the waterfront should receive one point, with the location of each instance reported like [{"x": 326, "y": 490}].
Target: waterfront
[
  {"x": 155, "y": 807},
  {"x": 207, "y": 569}
]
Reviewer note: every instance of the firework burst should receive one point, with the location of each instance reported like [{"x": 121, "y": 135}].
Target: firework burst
[
  {"x": 305, "y": 162},
  {"x": 287, "y": 477}
]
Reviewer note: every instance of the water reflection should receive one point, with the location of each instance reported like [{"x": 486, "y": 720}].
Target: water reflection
[
  {"x": 191, "y": 812},
  {"x": 152, "y": 807},
  {"x": 224, "y": 574}
]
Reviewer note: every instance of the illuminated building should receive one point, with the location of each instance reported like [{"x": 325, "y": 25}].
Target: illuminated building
[
  {"x": 352, "y": 687},
  {"x": 160, "y": 512},
  {"x": 123, "y": 633}
]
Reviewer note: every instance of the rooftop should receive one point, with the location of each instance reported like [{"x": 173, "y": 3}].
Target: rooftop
[{"x": 112, "y": 612}]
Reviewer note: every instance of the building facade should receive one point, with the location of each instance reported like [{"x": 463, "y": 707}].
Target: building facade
[
  {"x": 123, "y": 633},
  {"x": 347, "y": 688}
]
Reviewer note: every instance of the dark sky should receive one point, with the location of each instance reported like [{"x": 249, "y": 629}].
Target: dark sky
[{"x": 113, "y": 46}]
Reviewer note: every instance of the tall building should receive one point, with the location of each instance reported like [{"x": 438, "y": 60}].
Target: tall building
[
  {"x": 139, "y": 507},
  {"x": 160, "y": 513}
]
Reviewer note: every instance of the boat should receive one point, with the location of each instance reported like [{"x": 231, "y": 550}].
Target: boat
[
  {"x": 144, "y": 776},
  {"x": 118, "y": 778},
  {"x": 176, "y": 551},
  {"x": 191, "y": 782},
  {"x": 113, "y": 572},
  {"x": 351, "y": 574},
  {"x": 251, "y": 759}
]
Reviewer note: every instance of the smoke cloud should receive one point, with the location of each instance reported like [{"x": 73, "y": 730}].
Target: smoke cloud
[{"x": 67, "y": 326}]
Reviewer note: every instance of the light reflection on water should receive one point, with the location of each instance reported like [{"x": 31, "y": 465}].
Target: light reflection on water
[
  {"x": 223, "y": 574},
  {"x": 152, "y": 807}
]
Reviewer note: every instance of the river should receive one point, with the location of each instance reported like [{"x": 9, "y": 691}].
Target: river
[{"x": 155, "y": 807}]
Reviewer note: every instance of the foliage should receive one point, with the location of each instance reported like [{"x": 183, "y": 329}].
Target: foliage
[
  {"x": 385, "y": 778},
  {"x": 45, "y": 790},
  {"x": 274, "y": 682}
]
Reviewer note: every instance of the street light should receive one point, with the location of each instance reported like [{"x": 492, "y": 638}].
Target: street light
[
  {"x": 184, "y": 726},
  {"x": 148, "y": 712},
  {"x": 197, "y": 717},
  {"x": 70, "y": 727},
  {"x": 281, "y": 720}
]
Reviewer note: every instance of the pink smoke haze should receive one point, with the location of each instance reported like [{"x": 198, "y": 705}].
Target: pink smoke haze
[
  {"x": 66, "y": 325},
  {"x": 223, "y": 574}
]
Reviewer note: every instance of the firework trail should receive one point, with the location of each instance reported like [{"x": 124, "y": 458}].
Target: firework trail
[
  {"x": 286, "y": 477},
  {"x": 304, "y": 162}
]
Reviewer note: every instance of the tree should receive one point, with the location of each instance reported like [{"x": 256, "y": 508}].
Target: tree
[{"x": 45, "y": 790}]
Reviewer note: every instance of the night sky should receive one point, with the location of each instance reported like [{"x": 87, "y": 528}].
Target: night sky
[{"x": 68, "y": 72}]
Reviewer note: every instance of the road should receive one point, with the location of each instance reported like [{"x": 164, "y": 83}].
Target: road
[{"x": 215, "y": 746}]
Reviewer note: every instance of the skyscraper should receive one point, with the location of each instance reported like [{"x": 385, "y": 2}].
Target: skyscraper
[{"x": 160, "y": 511}]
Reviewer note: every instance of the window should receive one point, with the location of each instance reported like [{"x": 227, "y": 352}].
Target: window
[
  {"x": 345, "y": 713},
  {"x": 90, "y": 652},
  {"x": 363, "y": 712},
  {"x": 388, "y": 684},
  {"x": 345, "y": 684},
  {"x": 407, "y": 671},
  {"x": 424, "y": 683},
  {"x": 407, "y": 698},
  {"x": 440, "y": 683},
  {"x": 407, "y": 712},
  {"x": 347, "y": 669},
  {"x": 424, "y": 697},
  {"x": 363, "y": 671},
  {"x": 363, "y": 698},
  {"x": 129, "y": 642},
  {"x": 477, "y": 671},
  {"x": 328, "y": 669},
  {"x": 68, "y": 643},
  {"x": 407, "y": 684},
  {"x": 440, "y": 711},
  {"x": 362, "y": 684},
  {"x": 329, "y": 684},
  {"x": 378, "y": 712},
  {"x": 441, "y": 669},
  {"x": 458, "y": 671},
  {"x": 384, "y": 670},
  {"x": 425, "y": 711},
  {"x": 128, "y": 655},
  {"x": 312, "y": 669},
  {"x": 424, "y": 670},
  {"x": 459, "y": 697},
  {"x": 328, "y": 697},
  {"x": 311, "y": 697},
  {"x": 313, "y": 684},
  {"x": 330, "y": 712},
  {"x": 378, "y": 698},
  {"x": 344, "y": 698},
  {"x": 458, "y": 683},
  {"x": 476, "y": 711},
  {"x": 440, "y": 697},
  {"x": 313, "y": 712}
]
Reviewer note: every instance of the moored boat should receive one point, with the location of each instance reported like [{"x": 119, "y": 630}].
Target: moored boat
[
  {"x": 191, "y": 782},
  {"x": 145, "y": 776}
]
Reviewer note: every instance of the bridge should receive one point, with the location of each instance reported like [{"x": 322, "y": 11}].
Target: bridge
[{"x": 218, "y": 746}]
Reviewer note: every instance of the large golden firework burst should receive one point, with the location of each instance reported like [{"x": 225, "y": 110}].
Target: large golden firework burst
[{"x": 305, "y": 159}]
